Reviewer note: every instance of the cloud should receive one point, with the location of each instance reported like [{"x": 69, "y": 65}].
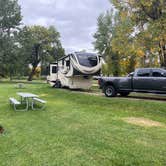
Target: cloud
[{"x": 76, "y": 20}]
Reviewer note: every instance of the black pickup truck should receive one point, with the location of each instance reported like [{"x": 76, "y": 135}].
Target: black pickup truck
[{"x": 146, "y": 80}]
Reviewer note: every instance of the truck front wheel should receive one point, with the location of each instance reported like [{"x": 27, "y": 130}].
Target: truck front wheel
[{"x": 110, "y": 91}]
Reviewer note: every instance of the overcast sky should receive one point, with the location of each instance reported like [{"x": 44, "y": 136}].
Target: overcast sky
[{"x": 76, "y": 20}]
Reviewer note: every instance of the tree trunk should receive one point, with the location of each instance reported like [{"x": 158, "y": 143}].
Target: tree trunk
[
  {"x": 32, "y": 73},
  {"x": 162, "y": 53},
  {"x": 10, "y": 73},
  {"x": 36, "y": 60},
  {"x": 2, "y": 75},
  {"x": 11, "y": 78}
]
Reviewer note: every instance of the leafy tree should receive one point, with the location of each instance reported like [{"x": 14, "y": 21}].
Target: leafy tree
[
  {"x": 10, "y": 15},
  {"x": 39, "y": 45},
  {"x": 123, "y": 43},
  {"x": 115, "y": 42},
  {"x": 103, "y": 43},
  {"x": 149, "y": 20},
  {"x": 104, "y": 33},
  {"x": 10, "y": 18}
]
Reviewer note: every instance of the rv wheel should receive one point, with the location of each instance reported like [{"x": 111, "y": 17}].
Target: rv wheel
[{"x": 57, "y": 84}]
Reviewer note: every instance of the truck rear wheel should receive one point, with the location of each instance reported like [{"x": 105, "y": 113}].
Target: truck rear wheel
[{"x": 110, "y": 91}]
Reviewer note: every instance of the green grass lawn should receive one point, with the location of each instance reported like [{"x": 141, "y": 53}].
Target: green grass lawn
[{"x": 80, "y": 130}]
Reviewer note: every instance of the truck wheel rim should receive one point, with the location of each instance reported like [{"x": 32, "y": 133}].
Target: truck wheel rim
[{"x": 109, "y": 91}]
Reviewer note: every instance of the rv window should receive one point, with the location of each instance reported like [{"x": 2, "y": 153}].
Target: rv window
[
  {"x": 88, "y": 60},
  {"x": 73, "y": 57},
  {"x": 54, "y": 69},
  {"x": 63, "y": 62},
  {"x": 68, "y": 63}
]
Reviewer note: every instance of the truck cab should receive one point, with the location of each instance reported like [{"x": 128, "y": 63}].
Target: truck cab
[{"x": 150, "y": 79}]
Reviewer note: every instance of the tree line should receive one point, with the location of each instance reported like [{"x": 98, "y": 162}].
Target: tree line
[
  {"x": 22, "y": 46},
  {"x": 132, "y": 34}
]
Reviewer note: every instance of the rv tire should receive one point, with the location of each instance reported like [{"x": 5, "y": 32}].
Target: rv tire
[{"x": 57, "y": 84}]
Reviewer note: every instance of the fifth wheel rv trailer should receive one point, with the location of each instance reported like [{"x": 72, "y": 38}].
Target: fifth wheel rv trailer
[{"x": 75, "y": 71}]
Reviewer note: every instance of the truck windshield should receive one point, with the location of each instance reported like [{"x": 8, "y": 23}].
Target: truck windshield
[{"x": 87, "y": 59}]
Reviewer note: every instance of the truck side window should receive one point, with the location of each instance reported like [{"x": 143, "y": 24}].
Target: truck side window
[
  {"x": 157, "y": 73},
  {"x": 143, "y": 73},
  {"x": 54, "y": 69}
]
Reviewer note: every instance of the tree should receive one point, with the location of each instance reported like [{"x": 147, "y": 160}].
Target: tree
[
  {"x": 104, "y": 33},
  {"x": 123, "y": 43},
  {"x": 149, "y": 19},
  {"x": 115, "y": 42},
  {"x": 39, "y": 45},
  {"x": 10, "y": 18},
  {"x": 103, "y": 42}
]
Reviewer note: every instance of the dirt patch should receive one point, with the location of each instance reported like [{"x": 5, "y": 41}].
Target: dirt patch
[
  {"x": 42, "y": 95},
  {"x": 134, "y": 98},
  {"x": 90, "y": 93},
  {"x": 1, "y": 130},
  {"x": 143, "y": 122}
]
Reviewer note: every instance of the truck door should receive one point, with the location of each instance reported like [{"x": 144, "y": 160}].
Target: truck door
[
  {"x": 142, "y": 80},
  {"x": 125, "y": 83},
  {"x": 159, "y": 80}
]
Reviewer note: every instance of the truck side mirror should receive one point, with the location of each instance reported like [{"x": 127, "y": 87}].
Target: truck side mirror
[{"x": 131, "y": 74}]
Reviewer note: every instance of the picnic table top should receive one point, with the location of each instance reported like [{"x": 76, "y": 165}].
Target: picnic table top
[{"x": 25, "y": 94}]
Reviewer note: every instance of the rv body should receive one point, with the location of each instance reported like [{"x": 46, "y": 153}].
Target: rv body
[{"x": 75, "y": 71}]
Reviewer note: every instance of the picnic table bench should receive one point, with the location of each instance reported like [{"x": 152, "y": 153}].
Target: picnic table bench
[
  {"x": 15, "y": 103},
  {"x": 38, "y": 100}
]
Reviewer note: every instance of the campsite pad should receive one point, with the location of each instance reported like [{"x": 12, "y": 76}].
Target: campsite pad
[{"x": 143, "y": 122}]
